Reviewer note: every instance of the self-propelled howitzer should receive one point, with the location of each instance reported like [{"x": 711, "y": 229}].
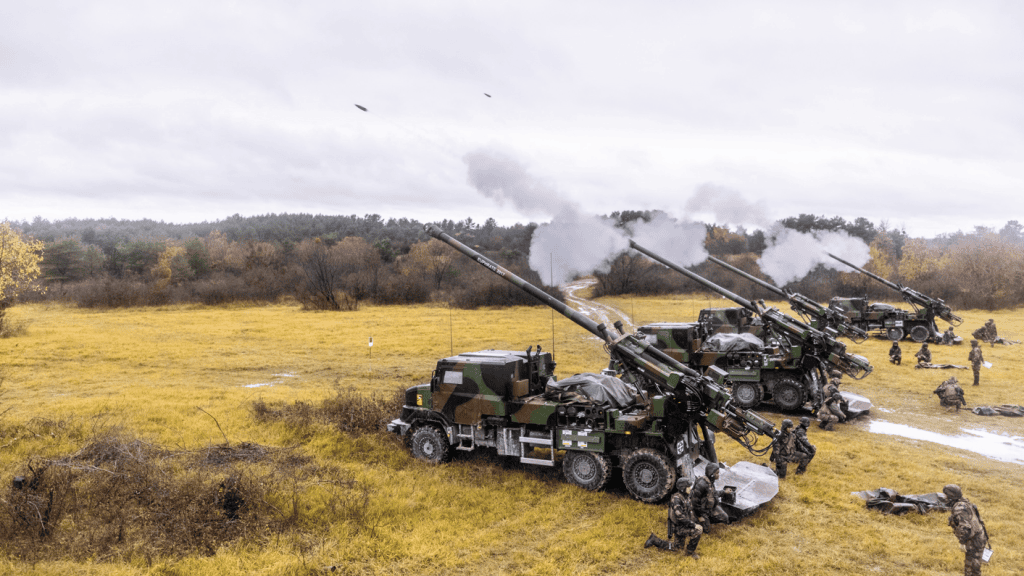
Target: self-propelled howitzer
[
  {"x": 817, "y": 315},
  {"x": 511, "y": 401},
  {"x": 790, "y": 379},
  {"x": 932, "y": 306}
]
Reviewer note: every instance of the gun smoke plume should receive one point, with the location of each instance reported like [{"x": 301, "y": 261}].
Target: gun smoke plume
[
  {"x": 790, "y": 255},
  {"x": 575, "y": 243}
]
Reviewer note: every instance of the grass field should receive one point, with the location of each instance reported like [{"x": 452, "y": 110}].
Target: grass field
[{"x": 187, "y": 377}]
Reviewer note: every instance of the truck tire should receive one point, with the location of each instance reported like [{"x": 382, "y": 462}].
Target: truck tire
[
  {"x": 787, "y": 394},
  {"x": 747, "y": 394},
  {"x": 428, "y": 443},
  {"x": 648, "y": 475},
  {"x": 588, "y": 470},
  {"x": 895, "y": 334},
  {"x": 920, "y": 334}
]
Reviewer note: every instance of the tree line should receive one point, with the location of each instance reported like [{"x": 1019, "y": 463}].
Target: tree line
[{"x": 337, "y": 262}]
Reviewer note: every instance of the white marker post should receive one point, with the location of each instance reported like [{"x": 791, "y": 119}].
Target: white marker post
[{"x": 370, "y": 346}]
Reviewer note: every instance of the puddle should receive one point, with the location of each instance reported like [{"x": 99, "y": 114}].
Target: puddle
[
  {"x": 261, "y": 384},
  {"x": 995, "y": 446}
]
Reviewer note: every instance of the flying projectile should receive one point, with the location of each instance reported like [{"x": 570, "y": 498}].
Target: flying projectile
[
  {"x": 363, "y": 108},
  {"x": 486, "y": 94}
]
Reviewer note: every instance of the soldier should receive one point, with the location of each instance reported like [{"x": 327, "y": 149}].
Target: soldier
[
  {"x": 948, "y": 337},
  {"x": 975, "y": 358},
  {"x": 924, "y": 355},
  {"x": 950, "y": 394},
  {"x": 990, "y": 331},
  {"x": 895, "y": 353},
  {"x": 682, "y": 522},
  {"x": 785, "y": 450},
  {"x": 706, "y": 500},
  {"x": 830, "y": 413},
  {"x": 803, "y": 444},
  {"x": 968, "y": 528}
]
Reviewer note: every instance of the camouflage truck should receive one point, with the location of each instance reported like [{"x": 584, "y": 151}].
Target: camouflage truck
[
  {"x": 769, "y": 356},
  {"x": 895, "y": 323},
  {"x": 647, "y": 415}
]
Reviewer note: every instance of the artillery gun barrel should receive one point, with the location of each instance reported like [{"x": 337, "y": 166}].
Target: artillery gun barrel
[
  {"x": 588, "y": 324},
  {"x": 772, "y": 287},
  {"x": 696, "y": 278},
  {"x": 892, "y": 285},
  {"x": 802, "y": 304}
]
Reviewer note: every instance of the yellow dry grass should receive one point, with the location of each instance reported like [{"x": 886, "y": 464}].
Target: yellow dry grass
[{"x": 167, "y": 373}]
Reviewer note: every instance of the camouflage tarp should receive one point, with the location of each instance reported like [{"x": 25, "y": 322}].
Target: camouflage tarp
[
  {"x": 1004, "y": 410},
  {"x": 599, "y": 389},
  {"x": 888, "y": 501},
  {"x": 745, "y": 342}
]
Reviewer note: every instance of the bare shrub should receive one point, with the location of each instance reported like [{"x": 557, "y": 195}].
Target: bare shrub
[
  {"x": 347, "y": 411},
  {"x": 120, "y": 497}
]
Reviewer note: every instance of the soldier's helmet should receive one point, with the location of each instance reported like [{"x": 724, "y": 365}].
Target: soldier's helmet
[
  {"x": 805, "y": 421},
  {"x": 835, "y": 373},
  {"x": 837, "y": 397},
  {"x": 711, "y": 471},
  {"x": 682, "y": 483},
  {"x": 787, "y": 424},
  {"x": 952, "y": 491},
  {"x": 925, "y": 345},
  {"x": 974, "y": 342}
]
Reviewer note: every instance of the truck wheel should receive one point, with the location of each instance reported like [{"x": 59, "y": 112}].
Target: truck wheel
[
  {"x": 788, "y": 395},
  {"x": 895, "y": 334},
  {"x": 747, "y": 394},
  {"x": 648, "y": 475},
  {"x": 919, "y": 334},
  {"x": 430, "y": 444},
  {"x": 588, "y": 470}
]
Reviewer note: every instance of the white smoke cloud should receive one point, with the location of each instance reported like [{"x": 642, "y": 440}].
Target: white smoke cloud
[
  {"x": 681, "y": 243},
  {"x": 500, "y": 177},
  {"x": 791, "y": 255},
  {"x": 575, "y": 244},
  {"x": 727, "y": 207}
]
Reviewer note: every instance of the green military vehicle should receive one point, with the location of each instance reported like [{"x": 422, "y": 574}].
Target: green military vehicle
[
  {"x": 647, "y": 415},
  {"x": 768, "y": 355},
  {"x": 895, "y": 323}
]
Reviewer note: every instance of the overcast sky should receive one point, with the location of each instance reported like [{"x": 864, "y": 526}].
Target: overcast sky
[{"x": 904, "y": 112}]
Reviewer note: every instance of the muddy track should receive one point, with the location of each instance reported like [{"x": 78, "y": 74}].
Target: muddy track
[{"x": 601, "y": 313}]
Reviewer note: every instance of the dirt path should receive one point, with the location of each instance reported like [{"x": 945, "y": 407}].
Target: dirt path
[{"x": 596, "y": 311}]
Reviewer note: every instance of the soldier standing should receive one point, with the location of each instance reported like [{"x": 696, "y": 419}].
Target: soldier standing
[
  {"x": 803, "y": 444},
  {"x": 950, "y": 394},
  {"x": 895, "y": 353},
  {"x": 830, "y": 413},
  {"x": 968, "y": 528},
  {"x": 706, "y": 500},
  {"x": 682, "y": 522},
  {"x": 924, "y": 355},
  {"x": 975, "y": 358}
]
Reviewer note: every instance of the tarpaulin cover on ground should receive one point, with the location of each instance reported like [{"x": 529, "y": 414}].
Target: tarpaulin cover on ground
[{"x": 888, "y": 501}]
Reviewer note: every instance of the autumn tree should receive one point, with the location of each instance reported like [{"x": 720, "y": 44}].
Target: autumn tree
[
  {"x": 433, "y": 257},
  {"x": 19, "y": 267}
]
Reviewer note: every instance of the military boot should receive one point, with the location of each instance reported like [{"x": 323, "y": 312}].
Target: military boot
[
  {"x": 691, "y": 547},
  {"x": 653, "y": 540}
]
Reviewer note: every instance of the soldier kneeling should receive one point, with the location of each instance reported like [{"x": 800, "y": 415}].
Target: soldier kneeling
[
  {"x": 682, "y": 522},
  {"x": 950, "y": 394}
]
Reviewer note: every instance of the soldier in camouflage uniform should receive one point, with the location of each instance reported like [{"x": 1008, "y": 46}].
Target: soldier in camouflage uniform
[
  {"x": 682, "y": 522},
  {"x": 968, "y": 528},
  {"x": 991, "y": 333},
  {"x": 830, "y": 413},
  {"x": 803, "y": 444},
  {"x": 948, "y": 336},
  {"x": 924, "y": 355},
  {"x": 895, "y": 353},
  {"x": 975, "y": 358},
  {"x": 950, "y": 394},
  {"x": 786, "y": 450},
  {"x": 706, "y": 500}
]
